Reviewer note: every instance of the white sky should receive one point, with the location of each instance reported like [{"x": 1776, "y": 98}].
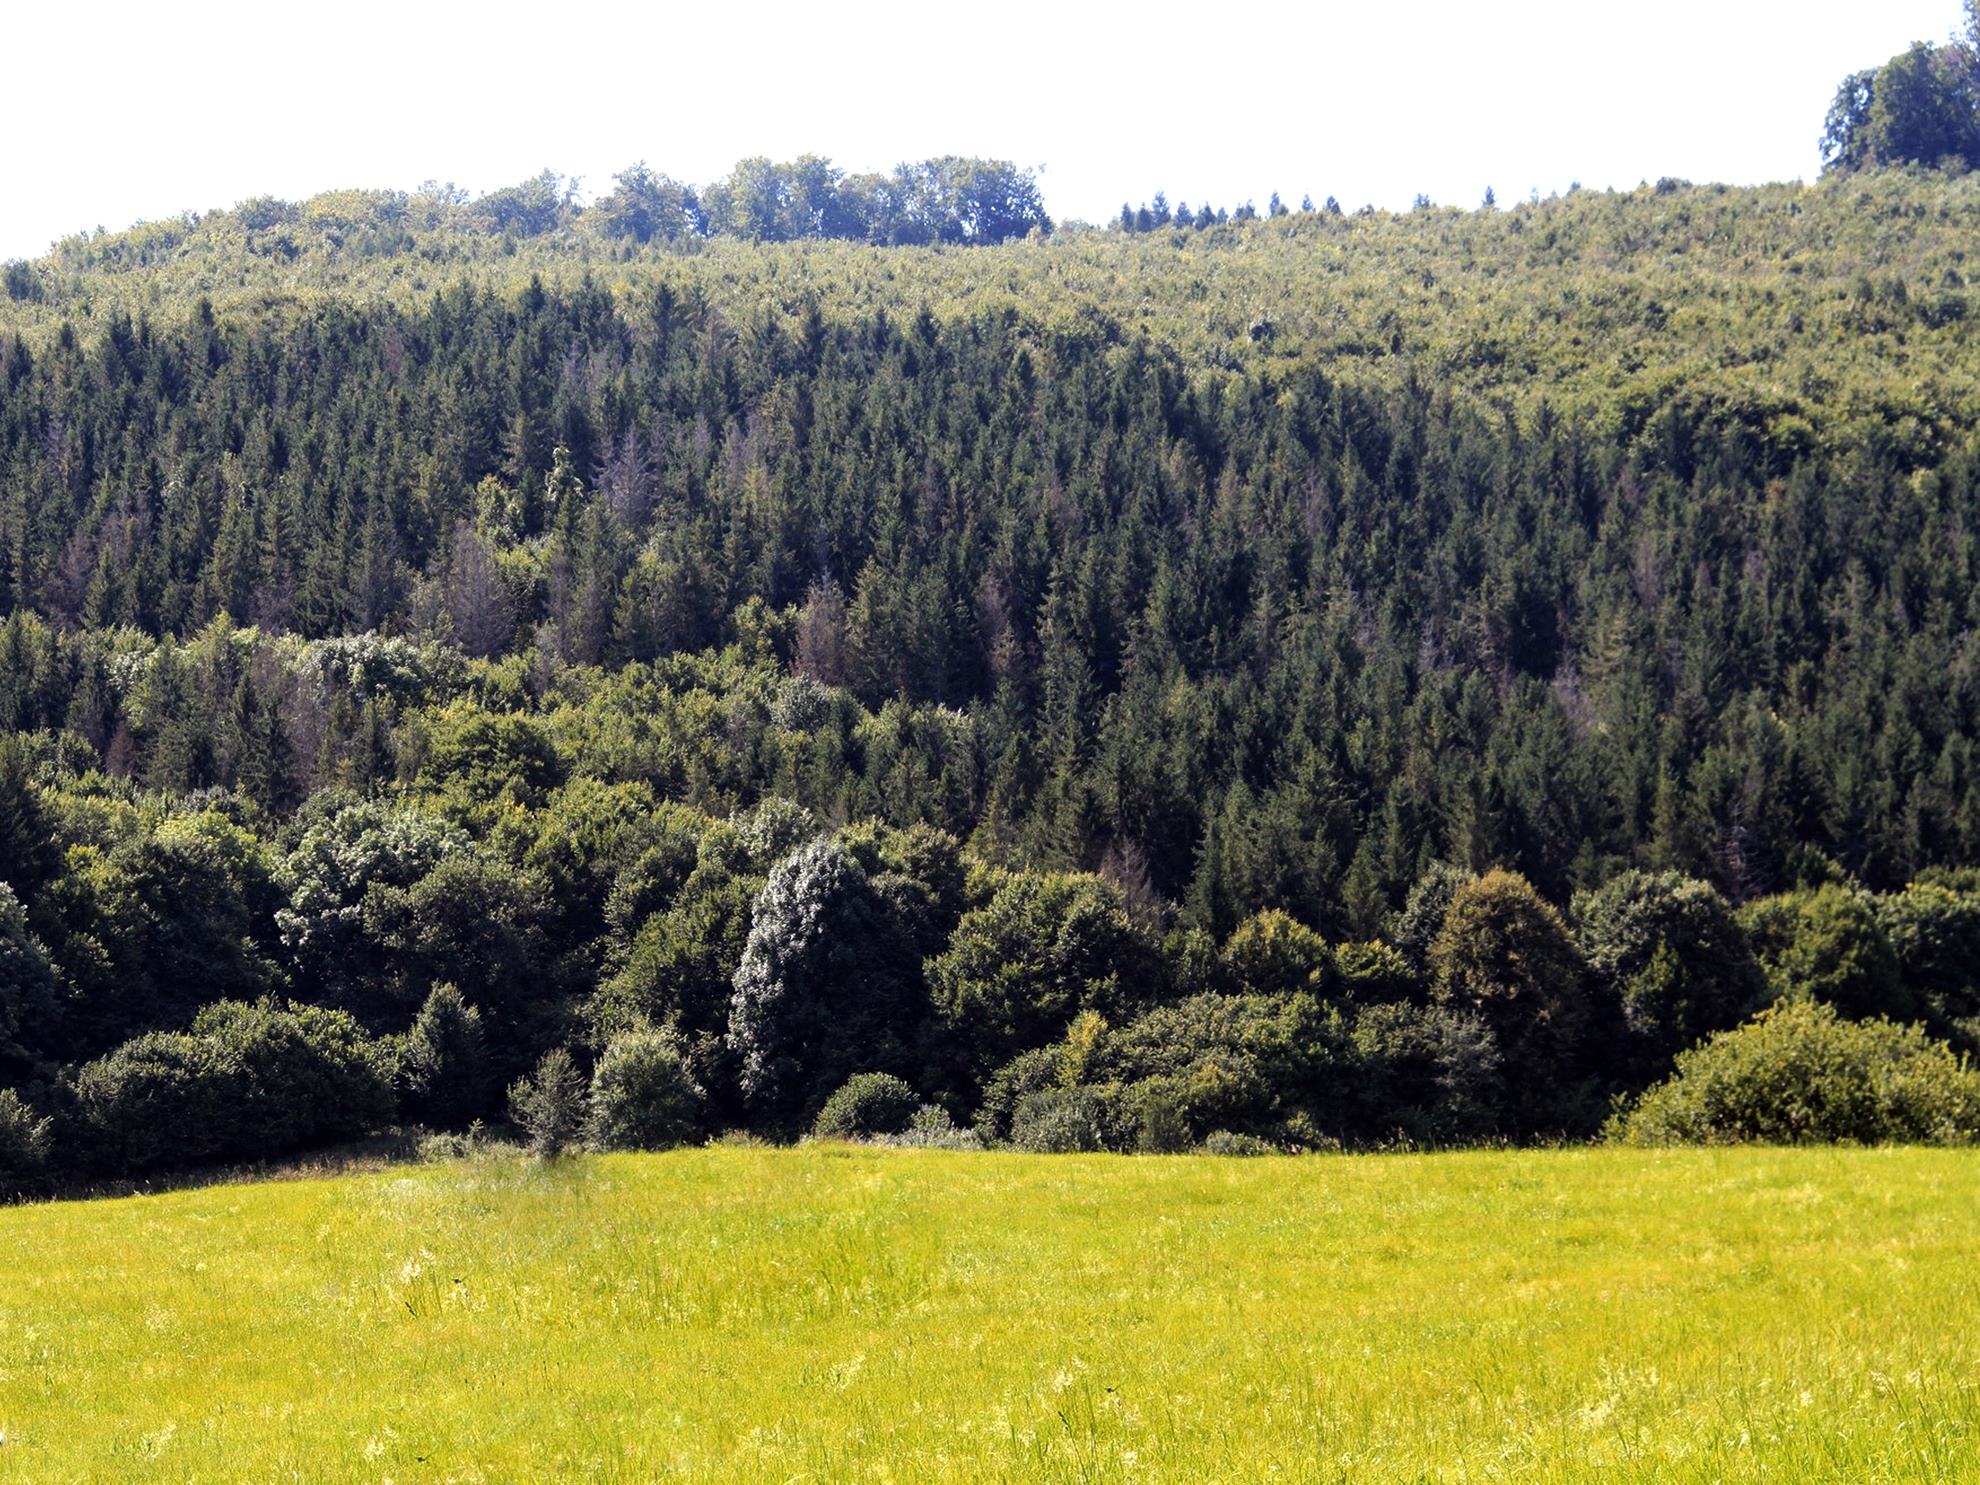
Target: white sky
[{"x": 115, "y": 112}]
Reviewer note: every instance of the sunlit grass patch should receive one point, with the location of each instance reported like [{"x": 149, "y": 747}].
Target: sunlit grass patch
[{"x": 840, "y": 1313}]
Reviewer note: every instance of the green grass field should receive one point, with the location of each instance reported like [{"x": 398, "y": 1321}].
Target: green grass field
[{"x": 824, "y": 1314}]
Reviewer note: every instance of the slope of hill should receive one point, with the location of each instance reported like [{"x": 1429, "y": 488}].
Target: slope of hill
[{"x": 391, "y": 604}]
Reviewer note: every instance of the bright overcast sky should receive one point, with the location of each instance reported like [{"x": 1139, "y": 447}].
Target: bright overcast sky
[{"x": 119, "y": 112}]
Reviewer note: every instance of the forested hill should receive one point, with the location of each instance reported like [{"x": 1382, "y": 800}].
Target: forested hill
[{"x": 393, "y": 602}]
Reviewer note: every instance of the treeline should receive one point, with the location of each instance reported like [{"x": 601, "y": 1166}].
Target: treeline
[
  {"x": 194, "y": 978},
  {"x": 953, "y": 200}
]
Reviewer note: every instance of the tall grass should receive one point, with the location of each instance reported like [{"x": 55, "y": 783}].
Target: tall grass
[{"x": 835, "y": 1314}]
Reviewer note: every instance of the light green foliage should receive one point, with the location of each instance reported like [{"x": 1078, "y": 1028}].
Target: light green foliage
[
  {"x": 1798, "y": 1072},
  {"x": 1273, "y": 953},
  {"x": 1723, "y": 1317}
]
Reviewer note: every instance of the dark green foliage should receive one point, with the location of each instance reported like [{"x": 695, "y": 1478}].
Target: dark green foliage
[
  {"x": 552, "y": 1105},
  {"x": 1799, "y": 1073},
  {"x": 1025, "y": 1074},
  {"x": 1273, "y": 953},
  {"x": 1504, "y": 955},
  {"x": 443, "y": 1074},
  {"x": 1674, "y": 956},
  {"x": 1934, "y": 934},
  {"x": 1415, "y": 926},
  {"x": 1060, "y": 1121},
  {"x": 1107, "y": 626},
  {"x": 643, "y": 1097},
  {"x": 828, "y": 981},
  {"x": 1371, "y": 972},
  {"x": 247, "y": 1082},
  {"x": 1041, "y": 951},
  {"x": 28, "y": 992},
  {"x": 28, "y": 856},
  {"x": 1422, "y": 1076},
  {"x": 1828, "y": 945},
  {"x": 25, "y": 1140},
  {"x": 865, "y": 1105}
]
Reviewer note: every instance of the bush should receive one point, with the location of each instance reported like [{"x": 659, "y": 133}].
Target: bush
[
  {"x": 443, "y": 1064},
  {"x": 1273, "y": 953},
  {"x": 1415, "y": 928},
  {"x": 933, "y": 1129},
  {"x": 1373, "y": 972},
  {"x": 1019, "y": 969},
  {"x": 1422, "y": 1075},
  {"x": 247, "y": 1082},
  {"x": 1025, "y": 1074},
  {"x": 643, "y": 1096},
  {"x": 1672, "y": 952},
  {"x": 1933, "y": 928},
  {"x": 865, "y": 1105},
  {"x": 829, "y": 981},
  {"x": 28, "y": 996},
  {"x": 1799, "y": 1073},
  {"x": 1827, "y": 945},
  {"x": 549, "y": 1106},
  {"x": 1224, "y": 1142},
  {"x": 23, "y": 1140},
  {"x": 1060, "y": 1121}
]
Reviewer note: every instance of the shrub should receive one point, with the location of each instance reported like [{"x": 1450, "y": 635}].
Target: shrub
[
  {"x": 247, "y": 1082},
  {"x": 829, "y": 980},
  {"x": 1059, "y": 1121},
  {"x": 933, "y": 1129},
  {"x": 1273, "y": 953},
  {"x": 1372, "y": 972},
  {"x": 1161, "y": 1125},
  {"x": 1933, "y": 928},
  {"x": 1826, "y": 944},
  {"x": 1225, "y": 1142},
  {"x": 1020, "y": 968},
  {"x": 1799, "y": 1073},
  {"x": 865, "y": 1105},
  {"x": 1672, "y": 952},
  {"x": 549, "y": 1105},
  {"x": 1415, "y": 928},
  {"x": 27, "y": 986},
  {"x": 1027, "y": 1073},
  {"x": 443, "y": 1064},
  {"x": 1421, "y": 1075},
  {"x": 24, "y": 1138},
  {"x": 643, "y": 1096}
]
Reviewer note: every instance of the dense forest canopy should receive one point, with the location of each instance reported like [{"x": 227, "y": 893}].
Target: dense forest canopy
[{"x": 506, "y": 626}]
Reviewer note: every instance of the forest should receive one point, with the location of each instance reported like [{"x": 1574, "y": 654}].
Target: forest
[{"x": 848, "y": 654}]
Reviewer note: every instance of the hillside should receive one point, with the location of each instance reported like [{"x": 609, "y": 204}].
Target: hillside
[
  {"x": 1321, "y": 679},
  {"x": 1847, "y": 297}
]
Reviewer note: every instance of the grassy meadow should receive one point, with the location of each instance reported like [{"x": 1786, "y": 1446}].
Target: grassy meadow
[{"x": 823, "y": 1314}]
